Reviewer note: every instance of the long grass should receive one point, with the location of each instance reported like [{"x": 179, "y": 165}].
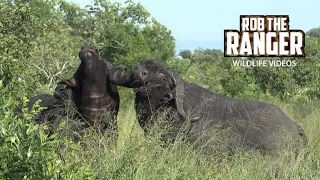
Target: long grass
[{"x": 136, "y": 156}]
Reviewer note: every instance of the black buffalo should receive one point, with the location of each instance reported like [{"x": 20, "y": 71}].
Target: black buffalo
[
  {"x": 95, "y": 97},
  {"x": 55, "y": 107},
  {"x": 256, "y": 124}
]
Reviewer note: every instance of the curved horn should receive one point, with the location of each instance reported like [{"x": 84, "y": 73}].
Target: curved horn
[
  {"x": 179, "y": 96},
  {"x": 63, "y": 93},
  {"x": 178, "y": 92}
]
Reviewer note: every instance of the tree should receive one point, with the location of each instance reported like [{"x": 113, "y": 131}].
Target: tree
[
  {"x": 125, "y": 33},
  {"x": 46, "y": 36},
  {"x": 185, "y": 54},
  {"x": 314, "y": 32}
]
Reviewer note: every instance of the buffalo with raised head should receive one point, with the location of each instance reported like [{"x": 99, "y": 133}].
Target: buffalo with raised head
[{"x": 95, "y": 97}]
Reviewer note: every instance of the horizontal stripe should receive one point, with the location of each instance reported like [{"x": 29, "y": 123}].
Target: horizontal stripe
[
  {"x": 95, "y": 95},
  {"x": 94, "y": 109}
]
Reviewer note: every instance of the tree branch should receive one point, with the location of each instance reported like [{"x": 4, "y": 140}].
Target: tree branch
[
  {"x": 44, "y": 71},
  {"x": 64, "y": 66},
  {"x": 119, "y": 45}
]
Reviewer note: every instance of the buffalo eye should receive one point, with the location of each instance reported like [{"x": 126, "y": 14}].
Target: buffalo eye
[
  {"x": 144, "y": 73},
  {"x": 162, "y": 76}
]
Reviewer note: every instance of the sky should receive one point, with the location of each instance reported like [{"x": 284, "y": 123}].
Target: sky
[{"x": 201, "y": 23}]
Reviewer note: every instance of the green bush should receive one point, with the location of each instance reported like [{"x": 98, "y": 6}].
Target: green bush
[
  {"x": 40, "y": 41},
  {"x": 26, "y": 152}
]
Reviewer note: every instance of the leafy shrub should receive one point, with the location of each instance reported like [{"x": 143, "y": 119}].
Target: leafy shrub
[{"x": 27, "y": 153}]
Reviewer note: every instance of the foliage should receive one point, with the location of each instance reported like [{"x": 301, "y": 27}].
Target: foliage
[
  {"x": 139, "y": 157},
  {"x": 45, "y": 36},
  {"x": 27, "y": 153},
  {"x": 314, "y": 32},
  {"x": 40, "y": 41},
  {"x": 123, "y": 33},
  {"x": 298, "y": 84}
]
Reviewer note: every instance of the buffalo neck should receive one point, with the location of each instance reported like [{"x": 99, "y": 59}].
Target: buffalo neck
[{"x": 87, "y": 64}]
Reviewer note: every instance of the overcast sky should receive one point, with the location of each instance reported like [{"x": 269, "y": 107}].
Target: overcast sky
[{"x": 197, "y": 23}]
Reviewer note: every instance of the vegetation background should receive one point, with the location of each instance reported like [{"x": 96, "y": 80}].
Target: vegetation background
[{"x": 39, "y": 42}]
